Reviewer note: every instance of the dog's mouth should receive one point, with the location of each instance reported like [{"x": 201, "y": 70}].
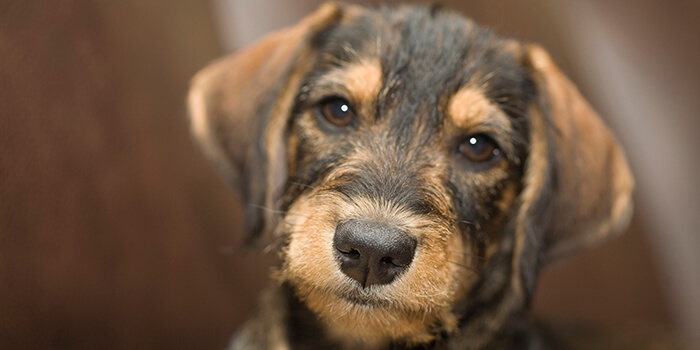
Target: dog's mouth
[
  {"x": 362, "y": 300},
  {"x": 365, "y": 297}
]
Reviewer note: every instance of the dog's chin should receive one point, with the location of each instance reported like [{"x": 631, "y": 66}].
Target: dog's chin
[{"x": 370, "y": 318}]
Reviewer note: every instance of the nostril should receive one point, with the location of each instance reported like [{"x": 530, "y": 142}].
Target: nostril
[
  {"x": 388, "y": 261},
  {"x": 352, "y": 254}
]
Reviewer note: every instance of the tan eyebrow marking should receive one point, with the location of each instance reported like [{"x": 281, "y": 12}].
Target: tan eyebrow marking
[
  {"x": 362, "y": 80},
  {"x": 469, "y": 108}
]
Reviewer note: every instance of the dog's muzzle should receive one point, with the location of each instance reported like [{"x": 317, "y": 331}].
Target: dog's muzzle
[{"x": 372, "y": 252}]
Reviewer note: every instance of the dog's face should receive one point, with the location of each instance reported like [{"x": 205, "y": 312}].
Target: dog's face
[
  {"x": 419, "y": 168},
  {"x": 405, "y": 144}
]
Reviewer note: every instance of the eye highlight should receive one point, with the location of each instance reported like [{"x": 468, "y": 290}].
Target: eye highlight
[
  {"x": 479, "y": 148},
  {"x": 337, "y": 111}
]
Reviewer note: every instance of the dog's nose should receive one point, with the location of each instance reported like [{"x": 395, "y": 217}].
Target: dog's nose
[{"x": 371, "y": 252}]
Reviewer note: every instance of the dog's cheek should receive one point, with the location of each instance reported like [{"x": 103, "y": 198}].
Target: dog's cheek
[
  {"x": 464, "y": 266},
  {"x": 438, "y": 277},
  {"x": 501, "y": 209},
  {"x": 309, "y": 262},
  {"x": 427, "y": 283}
]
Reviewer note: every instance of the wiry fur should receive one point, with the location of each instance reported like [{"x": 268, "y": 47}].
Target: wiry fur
[{"x": 420, "y": 79}]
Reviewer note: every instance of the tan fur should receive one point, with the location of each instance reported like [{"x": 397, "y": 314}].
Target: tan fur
[
  {"x": 469, "y": 108},
  {"x": 587, "y": 153}
]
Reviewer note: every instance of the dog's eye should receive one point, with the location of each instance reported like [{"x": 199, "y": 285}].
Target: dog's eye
[
  {"x": 479, "y": 148},
  {"x": 337, "y": 111}
]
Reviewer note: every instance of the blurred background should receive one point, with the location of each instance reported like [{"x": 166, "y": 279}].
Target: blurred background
[{"x": 116, "y": 233}]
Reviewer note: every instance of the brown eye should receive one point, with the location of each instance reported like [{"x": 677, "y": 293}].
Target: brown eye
[
  {"x": 338, "y": 112},
  {"x": 479, "y": 148}
]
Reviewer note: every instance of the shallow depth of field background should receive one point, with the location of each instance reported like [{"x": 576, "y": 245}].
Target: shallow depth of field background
[{"x": 116, "y": 233}]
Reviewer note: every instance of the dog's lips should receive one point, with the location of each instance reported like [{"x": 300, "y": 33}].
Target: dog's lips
[
  {"x": 362, "y": 296},
  {"x": 362, "y": 301}
]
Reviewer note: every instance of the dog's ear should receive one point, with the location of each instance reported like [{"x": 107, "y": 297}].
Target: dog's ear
[
  {"x": 578, "y": 185},
  {"x": 239, "y": 107}
]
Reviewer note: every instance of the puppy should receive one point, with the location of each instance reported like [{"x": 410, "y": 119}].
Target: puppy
[{"x": 419, "y": 169}]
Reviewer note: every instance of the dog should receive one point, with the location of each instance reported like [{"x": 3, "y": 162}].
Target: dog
[{"x": 418, "y": 169}]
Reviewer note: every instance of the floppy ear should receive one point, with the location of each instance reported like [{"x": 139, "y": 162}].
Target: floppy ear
[
  {"x": 239, "y": 107},
  {"x": 578, "y": 185}
]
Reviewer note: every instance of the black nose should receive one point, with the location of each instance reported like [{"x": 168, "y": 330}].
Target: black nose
[{"x": 371, "y": 252}]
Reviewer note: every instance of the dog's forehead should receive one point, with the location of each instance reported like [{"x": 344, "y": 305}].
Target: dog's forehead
[{"x": 426, "y": 55}]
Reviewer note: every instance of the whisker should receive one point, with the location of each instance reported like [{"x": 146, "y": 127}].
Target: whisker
[
  {"x": 276, "y": 243},
  {"x": 276, "y": 211},
  {"x": 476, "y": 256},
  {"x": 425, "y": 226},
  {"x": 516, "y": 112},
  {"x": 302, "y": 185},
  {"x": 468, "y": 268},
  {"x": 267, "y": 209}
]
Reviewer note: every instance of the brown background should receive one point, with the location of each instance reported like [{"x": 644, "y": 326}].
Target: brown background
[{"x": 116, "y": 233}]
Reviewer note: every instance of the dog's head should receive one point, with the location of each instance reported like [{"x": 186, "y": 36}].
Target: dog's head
[{"x": 420, "y": 169}]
